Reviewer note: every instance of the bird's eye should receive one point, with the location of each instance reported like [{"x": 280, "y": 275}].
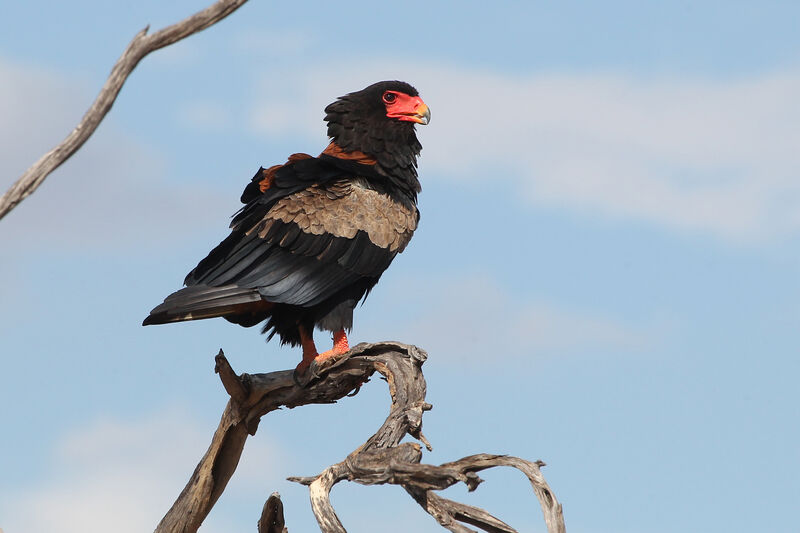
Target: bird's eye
[{"x": 389, "y": 98}]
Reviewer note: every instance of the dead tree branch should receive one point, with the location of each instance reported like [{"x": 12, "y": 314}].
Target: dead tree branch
[
  {"x": 381, "y": 459},
  {"x": 271, "y": 520},
  {"x": 141, "y": 45}
]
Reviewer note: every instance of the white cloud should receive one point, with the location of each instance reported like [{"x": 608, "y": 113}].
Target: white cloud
[
  {"x": 123, "y": 475},
  {"x": 113, "y": 192},
  {"x": 472, "y": 317},
  {"x": 39, "y": 108},
  {"x": 715, "y": 157}
]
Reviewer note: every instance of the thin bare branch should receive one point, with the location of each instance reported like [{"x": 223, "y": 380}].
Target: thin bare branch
[
  {"x": 141, "y": 45},
  {"x": 400, "y": 466}
]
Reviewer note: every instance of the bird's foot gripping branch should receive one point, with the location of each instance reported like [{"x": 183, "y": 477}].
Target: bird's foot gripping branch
[{"x": 381, "y": 459}]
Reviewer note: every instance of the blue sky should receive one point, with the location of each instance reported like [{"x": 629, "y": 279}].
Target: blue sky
[{"x": 605, "y": 274}]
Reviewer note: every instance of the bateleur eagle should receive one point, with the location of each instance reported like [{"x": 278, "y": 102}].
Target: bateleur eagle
[{"x": 316, "y": 233}]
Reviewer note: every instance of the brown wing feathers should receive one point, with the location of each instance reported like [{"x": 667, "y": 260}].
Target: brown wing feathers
[{"x": 343, "y": 209}]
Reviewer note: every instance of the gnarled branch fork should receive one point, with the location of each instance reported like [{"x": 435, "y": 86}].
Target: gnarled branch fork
[
  {"x": 381, "y": 459},
  {"x": 141, "y": 45}
]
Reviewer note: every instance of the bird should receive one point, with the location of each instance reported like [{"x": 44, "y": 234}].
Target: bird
[{"x": 315, "y": 234}]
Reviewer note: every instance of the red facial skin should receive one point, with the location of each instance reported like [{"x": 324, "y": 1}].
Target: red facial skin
[{"x": 404, "y": 107}]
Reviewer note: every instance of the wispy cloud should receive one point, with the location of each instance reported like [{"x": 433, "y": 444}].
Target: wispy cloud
[
  {"x": 112, "y": 193},
  {"x": 711, "y": 156},
  {"x": 38, "y": 108},
  {"x": 122, "y": 475},
  {"x": 473, "y": 317}
]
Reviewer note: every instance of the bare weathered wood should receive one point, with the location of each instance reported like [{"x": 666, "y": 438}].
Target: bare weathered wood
[
  {"x": 234, "y": 386},
  {"x": 450, "y": 514},
  {"x": 265, "y": 393},
  {"x": 272, "y": 520},
  {"x": 400, "y": 466},
  {"x": 141, "y": 45},
  {"x": 383, "y": 458},
  {"x": 210, "y": 477}
]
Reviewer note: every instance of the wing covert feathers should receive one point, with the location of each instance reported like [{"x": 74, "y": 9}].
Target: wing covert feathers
[{"x": 342, "y": 209}]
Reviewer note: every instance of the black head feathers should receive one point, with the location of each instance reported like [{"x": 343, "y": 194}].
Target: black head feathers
[{"x": 359, "y": 121}]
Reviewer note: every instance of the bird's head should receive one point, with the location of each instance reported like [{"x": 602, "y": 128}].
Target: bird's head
[
  {"x": 379, "y": 121},
  {"x": 401, "y": 102},
  {"x": 382, "y": 104}
]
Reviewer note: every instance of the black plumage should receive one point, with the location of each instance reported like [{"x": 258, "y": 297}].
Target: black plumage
[{"x": 316, "y": 233}]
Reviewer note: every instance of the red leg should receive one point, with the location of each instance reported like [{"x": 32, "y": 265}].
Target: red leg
[
  {"x": 310, "y": 354},
  {"x": 309, "y": 350},
  {"x": 340, "y": 345}
]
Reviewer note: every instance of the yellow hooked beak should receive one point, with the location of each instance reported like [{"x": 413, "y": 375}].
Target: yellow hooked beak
[{"x": 422, "y": 114}]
